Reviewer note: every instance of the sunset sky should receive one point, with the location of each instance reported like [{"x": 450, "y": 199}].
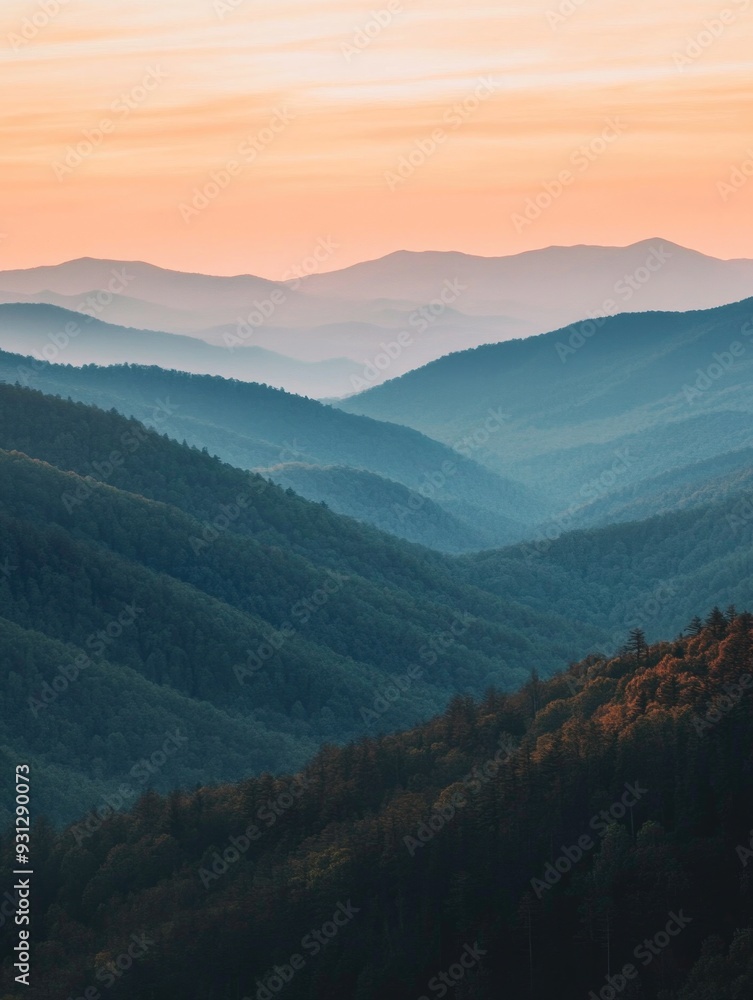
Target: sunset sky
[{"x": 316, "y": 118}]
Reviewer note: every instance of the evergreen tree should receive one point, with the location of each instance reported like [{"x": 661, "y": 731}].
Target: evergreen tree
[
  {"x": 636, "y": 644},
  {"x": 695, "y": 627}
]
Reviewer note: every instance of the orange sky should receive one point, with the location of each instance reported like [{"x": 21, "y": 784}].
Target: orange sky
[{"x": 316, "y": 123}]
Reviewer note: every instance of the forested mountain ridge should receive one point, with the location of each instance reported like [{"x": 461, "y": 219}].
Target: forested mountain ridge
[
  {"x": 254, "y": 426},
  {"x": 81, "y": 438},
  {"x": 651, "y": 573},
  {"x": 261, "y": 616},
  {"x": 602, "y": 405},
  {"x": 387, "y": 505},
  {"x": 722, "y": 477},
  {"x": 552, "y": 837},
  {"x": 104, "y": 513}
]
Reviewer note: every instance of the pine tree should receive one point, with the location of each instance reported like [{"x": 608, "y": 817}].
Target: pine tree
[
  {"x": 717, "y": 622},
  {"x": 695, "y": 627},
  {"x": 636, "y": 643}
]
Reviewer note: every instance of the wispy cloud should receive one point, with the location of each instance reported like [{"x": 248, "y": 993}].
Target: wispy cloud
[{"x": 227, "y": 72}]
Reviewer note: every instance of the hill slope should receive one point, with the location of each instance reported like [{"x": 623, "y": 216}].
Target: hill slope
[
  {"x": 254, "y": 426},
  {"x": 540, "y": 842},
  {"x": 254, "y": 605},
  {"x": 651, "y": 574},
  {"x": 49, "y": 332},
  {"x": 595, "y": 407},
  {"x": 387, "y": 505}
]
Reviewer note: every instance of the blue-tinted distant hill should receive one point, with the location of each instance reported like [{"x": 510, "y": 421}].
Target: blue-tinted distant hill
[
  {"x": 49, "y": 332},
  {"x": 387, "y": 505},
  {"x": 595, "y": 407},
  {"x": 254, "y": 426}
]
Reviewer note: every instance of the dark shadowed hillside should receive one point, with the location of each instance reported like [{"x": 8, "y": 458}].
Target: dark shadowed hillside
[{"x": 589, "y": 831}]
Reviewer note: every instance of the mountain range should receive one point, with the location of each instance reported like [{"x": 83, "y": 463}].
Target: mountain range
[
  {"x": 640, "y": 415},
  {"x": 592, "y": 408},
  {"x": 449, "y": 498},
  {"x": 439, "y": 670},
  {"x": 147, "y": 587},
  {"x": 440, "y": 302}
]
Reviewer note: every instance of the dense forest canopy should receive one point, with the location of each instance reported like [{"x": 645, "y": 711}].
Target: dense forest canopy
[{"x": 559, "y": 837}]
